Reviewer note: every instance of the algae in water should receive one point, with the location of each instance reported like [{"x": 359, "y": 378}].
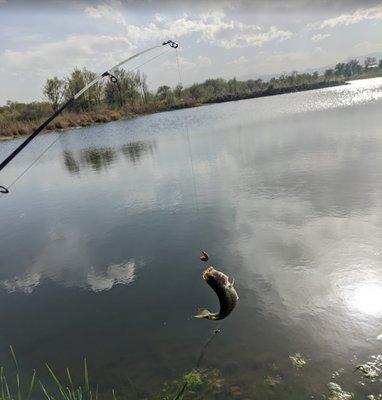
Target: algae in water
[
  {"x": 372, "y": 370},
  {"x": 298, "y": 360},
  {"x": 337, "y": 393}
]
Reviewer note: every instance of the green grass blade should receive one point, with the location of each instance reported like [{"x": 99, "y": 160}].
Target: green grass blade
[
  {"x": 69, "y": 376},
  {"x": 2, "y": 383},
  {"x": 70, "y": 393},
  {"x": 45, "y": 391},
  {"x": 113, "y": 394},
  {"x": 14, "y": 358},
  {"x": 31, "y": 384},
  {"x": 70, "y": 390},
  {"x": 17, "y": 372},
  {"x": 7, "y": 392},
  {"x": 57, "y": 382},
  {"x": 18, "y": 386},
  {"x": 180, "y": 395},
  {"x": 86, "y": 378}
]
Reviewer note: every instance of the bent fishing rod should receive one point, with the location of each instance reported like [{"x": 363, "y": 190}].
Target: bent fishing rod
[{"x": 110, "y": 73}]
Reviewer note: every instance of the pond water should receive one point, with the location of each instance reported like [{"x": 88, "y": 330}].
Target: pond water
[{"x": 100, "y": 242}]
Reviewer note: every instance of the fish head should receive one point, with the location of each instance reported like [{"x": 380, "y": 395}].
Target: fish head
[{"x": 216, "y": 278}]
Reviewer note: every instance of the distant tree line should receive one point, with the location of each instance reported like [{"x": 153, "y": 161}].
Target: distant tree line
[
  {"x": 353, "y": 67},
  {"x": 132, "y": 90},
  {"x": 130, "y": 95}
]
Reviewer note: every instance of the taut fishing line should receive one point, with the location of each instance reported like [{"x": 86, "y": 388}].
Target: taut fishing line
[
  {"x": 177, "y": 61},
  {"x": 195, "y": 196},
  {"x": 150, "y": 59},
  {"x": 110, "y": 73},
  {"x": 203, "y": 350},
  {"x": 217, "y": 330}
]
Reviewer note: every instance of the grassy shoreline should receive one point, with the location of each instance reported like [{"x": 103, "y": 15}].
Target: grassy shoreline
[
  {"x": 200, "y": 383},
  {"x": 73, "y": 120}
]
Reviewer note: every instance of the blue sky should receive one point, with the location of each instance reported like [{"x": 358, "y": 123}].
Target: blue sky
[{"x": 41, "y": 39}]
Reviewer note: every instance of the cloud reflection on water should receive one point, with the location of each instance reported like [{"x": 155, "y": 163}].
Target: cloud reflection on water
[
  {"x": 96, "y": 280},
  {"x": 123, "y": 274}
]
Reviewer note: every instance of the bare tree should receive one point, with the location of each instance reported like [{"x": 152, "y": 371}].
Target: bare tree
[
  {"x": 54, "y": 91},
  {"x": 370, "y": 61}
]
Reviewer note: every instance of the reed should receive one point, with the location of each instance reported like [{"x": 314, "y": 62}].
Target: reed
[{"x": 13, "y": 388}]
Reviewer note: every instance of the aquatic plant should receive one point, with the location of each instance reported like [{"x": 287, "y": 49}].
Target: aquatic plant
[
  {"x": 298, "y": 360},
  {"x": 338, "y": 373},
  {"x": 193, "y": 379},
  {"x": 372, "y": 370},
  {"x": 198, "y": 384},
  {"x": 12, "y": 387},
  {"x": 67, "y": 390},
  {"x": 337, "y": 393},
  {"x": 273, "y": 381}
]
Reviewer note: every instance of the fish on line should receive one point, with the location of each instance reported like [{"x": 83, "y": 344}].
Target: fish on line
[{"x": 224, "y": 289}]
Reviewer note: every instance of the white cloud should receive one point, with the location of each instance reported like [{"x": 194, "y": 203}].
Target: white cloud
[
  {"x": 184, "y": 64},
  {"x": 187, "y": 65},
  {"x": 110, "y": 11},
  {"x": 250, "y": 37},
  {"x": 204, "y": 61},
  {"x": 298, "y": 60},
  {"x": 208, "y": 25},
  {"x": 320, "y": 36},
  {"x": 213, "y": 27},
  {"x": 159, "y": 17},
  {"x": 242, "y": 60},
  {"x": 360, "y": 15},
  {"x": 61, "y": 56},
  {"x": 367, "y": 47}
]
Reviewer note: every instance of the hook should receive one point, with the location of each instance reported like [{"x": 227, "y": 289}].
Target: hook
[{"x": 3, "y": 189}]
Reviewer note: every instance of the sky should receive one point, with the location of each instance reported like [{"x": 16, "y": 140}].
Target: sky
[{"x": 242, "y": 38}]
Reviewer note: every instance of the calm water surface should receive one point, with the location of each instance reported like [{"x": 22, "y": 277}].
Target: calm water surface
[{"x": 100, "y": 240}]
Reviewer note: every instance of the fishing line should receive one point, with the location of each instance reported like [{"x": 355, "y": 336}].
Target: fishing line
[
  {"x": 196, "y": 203},
  {"x": 151, "y": 59},
  {"x": 177, "y": 61},
  {"x": 109, "y": 73},
  {"x": 135, "y": 68},
  {"x": 140, "y": 65},
  {"x": 31, "y": 165},
  {"x": 203, "y": 350},
  {"x": 195, "y": 195}
]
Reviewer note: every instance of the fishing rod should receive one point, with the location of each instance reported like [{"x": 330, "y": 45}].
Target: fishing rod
[{"x": 110, "y": 73}]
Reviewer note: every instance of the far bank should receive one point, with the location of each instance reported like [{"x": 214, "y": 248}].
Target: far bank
[{"x": 16, "y": 128}]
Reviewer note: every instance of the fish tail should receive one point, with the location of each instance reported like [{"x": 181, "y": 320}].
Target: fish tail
[{"x": 202, "y": 314}]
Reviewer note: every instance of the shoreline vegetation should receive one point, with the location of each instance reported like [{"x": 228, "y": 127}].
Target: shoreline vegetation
[
  {"x": 194, "y": 384},
  {"x": 130, "y": 96}
]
